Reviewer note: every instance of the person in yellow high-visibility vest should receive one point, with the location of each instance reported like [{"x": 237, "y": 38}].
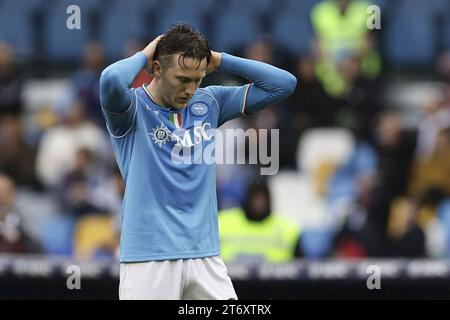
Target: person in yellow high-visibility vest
[
  {"x": 254, "y": 231},
  {"x": 341, "y": 31}
]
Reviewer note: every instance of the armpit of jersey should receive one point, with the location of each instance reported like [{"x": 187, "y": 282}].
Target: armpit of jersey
[
  {"x": 231, "y": 101},
  {"x": 120, "y": 124}
]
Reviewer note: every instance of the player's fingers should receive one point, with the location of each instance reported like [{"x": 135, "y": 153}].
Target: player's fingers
[
  {"x": 156, "y": 40},
  {"x": 151, "y": 47}
]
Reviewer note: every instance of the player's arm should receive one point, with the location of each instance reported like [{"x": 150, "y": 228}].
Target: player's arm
[
  {"x": 116, "y": 80},
  {"x": 268, "y": 85},
  {"x": 115, "y": 83}
]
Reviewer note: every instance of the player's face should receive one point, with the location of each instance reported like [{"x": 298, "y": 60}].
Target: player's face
[{"x": 180, "y": 79}]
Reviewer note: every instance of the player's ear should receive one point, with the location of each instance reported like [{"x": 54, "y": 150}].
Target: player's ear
[{"x": 156, "y": 69}]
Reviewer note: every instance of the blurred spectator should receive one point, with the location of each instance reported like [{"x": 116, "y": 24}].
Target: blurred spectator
[
  {"x": 96, "y": 202},
  {"x": 58, "y": 147},
  {"x": 17, "y": 157},
  {"x": 357, "y": 108},
  {"x": 355, "y": 238},
  {"x": 435, "y": 117},
  {"x": 395, "y": 149},
  {"x": 405, "y": 238},
  {"x": 340, "y": 27},
  {"x": 346, "y": 184},
  {"x": 255, "y": 232},
  {"x": 429, "y": 180},
  {"x": 310, "y": 101},
  {"x": 13, "y": 236},
  {"x": 341, "y": 32},
  {"x": 84, "y": 82},
  {"x": 79, "y": 187},
  {"x": 11, "y": 82},
  {"x": 443, "y": 66},
  {"x": 429, "y": 187}
]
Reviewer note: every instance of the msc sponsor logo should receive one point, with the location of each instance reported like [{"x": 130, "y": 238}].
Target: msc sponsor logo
[
  {"x": 183, "y": 137},
  {"x": 160, "y": 135}
]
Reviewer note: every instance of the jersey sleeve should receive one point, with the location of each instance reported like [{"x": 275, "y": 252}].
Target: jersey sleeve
[
  {"x": 117, "y": 96},
  {"x": 268, "y": 85},
  {"x": 232, "y": 101},
  {"x": 120, "y": 123}
]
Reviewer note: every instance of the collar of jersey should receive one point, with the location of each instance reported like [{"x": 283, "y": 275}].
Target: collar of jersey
[{"x": 167, "y": 109}]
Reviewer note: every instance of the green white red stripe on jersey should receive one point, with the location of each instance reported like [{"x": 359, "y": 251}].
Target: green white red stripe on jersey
[{"x": 176, "y": 119}]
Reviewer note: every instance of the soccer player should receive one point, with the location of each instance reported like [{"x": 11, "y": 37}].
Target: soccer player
[{"x": 169, "y": 246}]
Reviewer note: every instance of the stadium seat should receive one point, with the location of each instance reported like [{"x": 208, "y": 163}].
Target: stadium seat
[
  {"x": 251, "y": 8},
  {"x": 291, "y": 27},
  {"x": 56, "y": 234},
  {"x": 316, "y": 243},
  {"x": 16, "y": 27},
  {"x": 295, "y": 5},
  {"x": 292, "y": 31},
  {"x": 294, "y": 197},
  {"x": 383, "y": 4},
  {"x": 192, "y": 12},
  {"x": 123, "y": 21},
  {"x": 332, "y": 144},
  {"x": 233, "y": 30},
  {"x": 411, "y": 33},
  {"x": 446, "y": 26},
  {"x": 61, "y": 43},
  {"x": 93, "y": 234}
]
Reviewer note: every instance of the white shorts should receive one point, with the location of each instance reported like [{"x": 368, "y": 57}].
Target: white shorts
[{"x": 190, "y": 279}]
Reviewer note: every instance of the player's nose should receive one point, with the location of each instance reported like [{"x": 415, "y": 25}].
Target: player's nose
[{"x": 189, "y": 91}]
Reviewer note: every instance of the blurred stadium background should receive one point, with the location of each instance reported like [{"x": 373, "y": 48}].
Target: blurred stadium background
[{"x": 364, "y": 142}]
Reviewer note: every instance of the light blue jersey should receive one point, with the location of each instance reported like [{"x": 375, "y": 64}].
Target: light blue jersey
[{"x": 170, "y": 207}]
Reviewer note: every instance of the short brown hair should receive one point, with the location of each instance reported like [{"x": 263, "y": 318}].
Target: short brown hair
[{"x": 182, "y": 39}]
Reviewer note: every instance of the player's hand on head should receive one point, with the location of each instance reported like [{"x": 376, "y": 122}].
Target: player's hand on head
[
  {"x": 149, "y": 51},
  {"x": 216, "y": 59}
]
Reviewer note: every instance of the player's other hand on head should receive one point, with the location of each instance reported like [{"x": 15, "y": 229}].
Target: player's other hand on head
[
  {"x": 216, "y": 59},
  {"x": 149, "y": 51}
]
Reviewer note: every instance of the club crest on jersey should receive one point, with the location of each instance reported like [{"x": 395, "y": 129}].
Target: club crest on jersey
[
  {"x": 160, "y": 135},
  {"x": 199, "y": 109}
]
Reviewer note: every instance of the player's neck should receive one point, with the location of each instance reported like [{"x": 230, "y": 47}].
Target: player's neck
[{"x": 152, "y": 89}]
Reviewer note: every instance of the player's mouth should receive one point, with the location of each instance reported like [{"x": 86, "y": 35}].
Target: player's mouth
[{"x": 183, "y": 99}]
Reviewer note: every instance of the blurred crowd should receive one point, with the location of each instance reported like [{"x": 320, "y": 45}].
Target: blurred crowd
[{"x": 61, "y": 191}]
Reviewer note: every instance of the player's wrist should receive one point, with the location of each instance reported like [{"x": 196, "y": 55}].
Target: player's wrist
[
  {"x": 143, "y": 57},
  {"x": 215, "y": 62},
  {"x": 146, "y": 54},
  {"x": 150, "y": 49},
  {"x": 217, "y": 58}
]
